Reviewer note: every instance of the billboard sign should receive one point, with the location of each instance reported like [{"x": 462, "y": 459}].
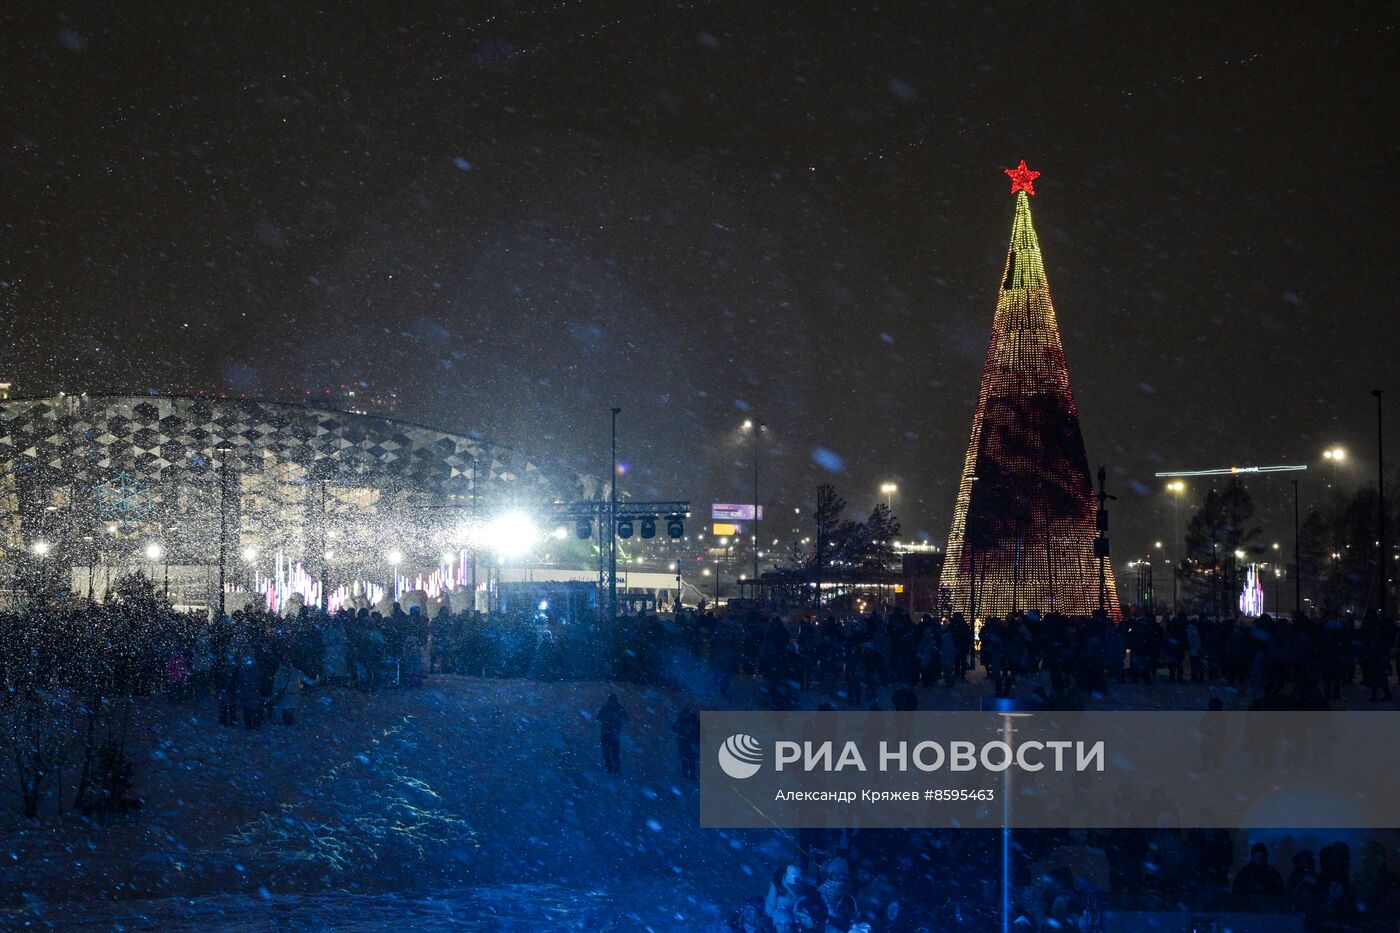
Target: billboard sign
[{"x": 735, "y": 512}]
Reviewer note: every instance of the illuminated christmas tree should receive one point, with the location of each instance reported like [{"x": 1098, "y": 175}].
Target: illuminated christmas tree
[{"x": 1025, "y": 522}]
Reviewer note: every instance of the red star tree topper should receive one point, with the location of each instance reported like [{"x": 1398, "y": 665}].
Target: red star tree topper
[{"x": 1022, "y": 178}]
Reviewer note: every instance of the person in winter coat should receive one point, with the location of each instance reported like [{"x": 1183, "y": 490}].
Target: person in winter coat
[
  {"x": 249, "y": 680},
  {"x": 1196, "y": 647},
  {"x": 948, "y": 654},
  {"x": 411, "y": 662},
  {"x": 286, "y": 690},
  {"x": 837, "y": 897},
  {"x": 177, "y": 675},
  {"x": 687, "y": 729},
  {"x": 750, "y": 919},
  {"x": 201, "y": 663},
  {"x": 788, "y": 903},
  {"x": 334, "y": 665},
  {"x": 226, "y": 687},
  {"x": 1258, "y": 878},
  {"x": 611, "y": 718}
]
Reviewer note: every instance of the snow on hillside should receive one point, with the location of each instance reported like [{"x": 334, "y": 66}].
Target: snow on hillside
[{"x": 465, "y": 799}]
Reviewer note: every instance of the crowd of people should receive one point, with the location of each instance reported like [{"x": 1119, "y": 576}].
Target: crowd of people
[
  {"x": 255, "y": 662},
  {"x": 854, "y": 882},
  {"x": 1065, "y": 659},
  {"x": 254, "y": 665}
]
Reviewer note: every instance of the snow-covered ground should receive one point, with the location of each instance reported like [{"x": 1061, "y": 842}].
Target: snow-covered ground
[
  {"x": 464, "y": 799},
  {"x": 467, "y": 804}
]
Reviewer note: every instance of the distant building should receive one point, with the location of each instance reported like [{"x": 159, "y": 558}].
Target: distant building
[{"x": 99, "y": 479}]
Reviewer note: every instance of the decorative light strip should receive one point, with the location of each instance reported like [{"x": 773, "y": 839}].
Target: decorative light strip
[{"x": 1227, "y": 471}]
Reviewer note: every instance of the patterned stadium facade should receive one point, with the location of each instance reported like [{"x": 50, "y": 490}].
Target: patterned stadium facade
[
  {"x": 1025, "y": 519},
  {"x": 99, "y": 478}
]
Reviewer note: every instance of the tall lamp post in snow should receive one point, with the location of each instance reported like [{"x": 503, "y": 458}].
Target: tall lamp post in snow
[
  {"x": 1297, "y": 558},
  {"x": 612, "y": 526},
  {"x": 154, "y": 552},
  {"x": 1382, "y": 562},
  {"x": 1334, "y": 456},
  {"x": 394, "y": 557},
  {"x": 223, "y": 451},
  {"x": 1177, "y": 488},
  {"x": 757, "y": 428},
  {"x": 889, "y": 489}
]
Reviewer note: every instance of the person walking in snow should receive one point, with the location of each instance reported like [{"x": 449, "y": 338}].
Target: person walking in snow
[
  {"x": 687, "y": 729},
  {"x": 611, "y": 718},
  {"x": 286, "y": 690},
  {"x": 250, "y": 692}
]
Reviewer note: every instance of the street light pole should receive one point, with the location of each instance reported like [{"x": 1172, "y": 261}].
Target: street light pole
[
  {"x": 757, "y": 515},
  {"x": 223, "y": 522},
  {"x": 1297, "y": 558},
  {"x": 612, "y": 526},
  {"x": 1383, "y": 562},
  {"x": 889, "y": 489},
  {"x": 471, "y": 526}
]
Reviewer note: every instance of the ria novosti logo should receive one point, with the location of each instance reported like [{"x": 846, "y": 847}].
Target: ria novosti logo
[{"x": 740, "y": 756}]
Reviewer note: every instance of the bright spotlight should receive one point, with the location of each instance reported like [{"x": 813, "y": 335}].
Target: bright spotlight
[
  {"x": 41, "y": 548},
  {"x": 561, "y": 533},
  {"x": 250, "y": 554},
  {"x": 153, "y": 551},
  {"x": 394, "y": 557},
  {"x": 511, "y": 535}
]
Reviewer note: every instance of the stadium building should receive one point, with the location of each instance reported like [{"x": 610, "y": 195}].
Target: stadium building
[{"x": 301, "y": 502}]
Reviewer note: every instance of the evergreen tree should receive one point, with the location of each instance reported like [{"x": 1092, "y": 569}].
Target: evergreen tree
[
  {"x": 827, "y": 519},
  {"x": 1220, "y": 530},
  {"x": 881, "y": 530}
]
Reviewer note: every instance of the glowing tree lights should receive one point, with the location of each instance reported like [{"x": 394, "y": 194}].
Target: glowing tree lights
[
  {"x": 1025, "y": 519},
  {"x": 1022, "y": 179},
  {"x": 1252, "y": 596}
]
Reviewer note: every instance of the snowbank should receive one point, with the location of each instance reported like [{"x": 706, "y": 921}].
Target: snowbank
[{"x": 465, "y": 786}]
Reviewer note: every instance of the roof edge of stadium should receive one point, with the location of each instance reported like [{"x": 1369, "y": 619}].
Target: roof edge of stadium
[{"x": 99, "y": 396}]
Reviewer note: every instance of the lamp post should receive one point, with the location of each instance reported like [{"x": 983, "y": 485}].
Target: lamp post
[
  {"x": 612, "y": 526},
  {"x": 889, "y": 489},
  {"x": 1297, "y": 559},
  {"x": 757, "y": 428},
  {"x": 223, "y": 452},
  {"x": 154, "y": 552},
  {"x": 249, "y": 555},
  {"x": 1382, "y": 562},
  {"x": 1334, "y": 455},
  {"x": 394, "y": 557},
  {"x": 1177, "y": 488}
]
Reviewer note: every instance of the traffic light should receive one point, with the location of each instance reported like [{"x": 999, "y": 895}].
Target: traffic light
[
  {"x": 675, "y": 526},
  {"x": 624, "y": 528},
  {"x": 649, "y": 527},
  {"x": 583, "y": 528}
]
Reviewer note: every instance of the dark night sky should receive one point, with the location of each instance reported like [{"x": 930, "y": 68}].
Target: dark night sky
[{"x": 521, "y": 214}]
